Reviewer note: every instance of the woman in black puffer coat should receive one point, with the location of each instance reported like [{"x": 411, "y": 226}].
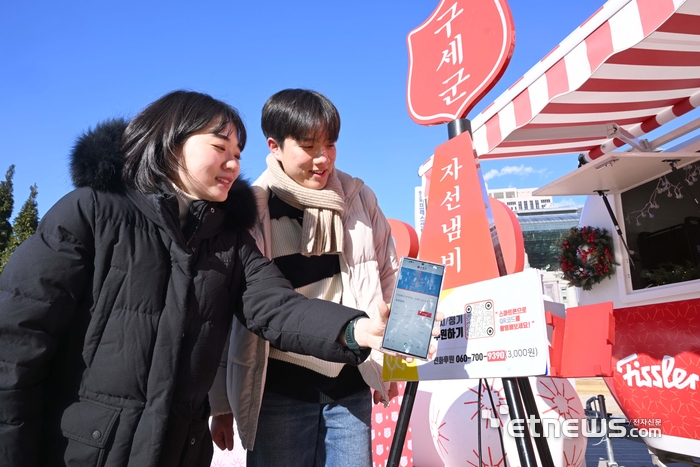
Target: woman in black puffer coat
[{"x": 113, "y": 316}]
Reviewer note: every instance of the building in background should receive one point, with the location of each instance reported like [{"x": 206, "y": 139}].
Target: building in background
[
  {"x": 543, "y": 231},
  {"x": 521, "y": 199},
  {"x": 543, "y": 225}
]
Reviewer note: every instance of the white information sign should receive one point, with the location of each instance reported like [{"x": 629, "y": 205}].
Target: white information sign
[{"x": 494, "y": 328}]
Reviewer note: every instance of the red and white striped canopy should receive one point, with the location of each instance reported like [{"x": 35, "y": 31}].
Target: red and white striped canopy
[{"x": 634, "y": 63}]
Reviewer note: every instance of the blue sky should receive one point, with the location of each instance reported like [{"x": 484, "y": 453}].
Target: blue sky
[{"x": 70, "y": 64}]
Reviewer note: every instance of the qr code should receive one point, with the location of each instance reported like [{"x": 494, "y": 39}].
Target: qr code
[{"x": 479, "y": 320}]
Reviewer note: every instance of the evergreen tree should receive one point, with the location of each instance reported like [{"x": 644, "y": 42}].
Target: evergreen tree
[
  {"x": 25, "y": 223},
  {"x": 6, "y": 205}
]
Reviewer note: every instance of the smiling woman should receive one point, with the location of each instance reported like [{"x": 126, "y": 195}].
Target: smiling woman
[
  {"x": 210, "y": 164},
  {"x": 114, "y": 315}
]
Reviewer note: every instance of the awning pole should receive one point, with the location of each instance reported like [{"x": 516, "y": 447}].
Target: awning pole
[{"x": 617, "y": 226}]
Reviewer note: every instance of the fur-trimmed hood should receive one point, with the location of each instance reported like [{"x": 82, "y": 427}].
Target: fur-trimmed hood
[{"x": 96, "y": 162}]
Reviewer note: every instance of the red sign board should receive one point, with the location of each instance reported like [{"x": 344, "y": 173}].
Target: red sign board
[
  {"x": 456, "y": 56},
  {"x": 656, "y": 377},
  {"x": 457, "y": 230}
]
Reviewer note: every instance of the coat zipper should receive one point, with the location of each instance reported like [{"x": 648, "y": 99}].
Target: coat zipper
[{"x": 196, "y": 229}]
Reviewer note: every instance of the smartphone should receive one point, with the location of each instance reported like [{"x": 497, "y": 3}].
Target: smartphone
[{"x": 413, "y": 307}]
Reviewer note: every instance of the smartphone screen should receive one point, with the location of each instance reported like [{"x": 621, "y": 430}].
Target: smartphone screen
[{"x": 413, "y": 306}]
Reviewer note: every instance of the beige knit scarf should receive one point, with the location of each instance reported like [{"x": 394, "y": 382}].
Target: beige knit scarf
[{"x": 322, "y": 226}]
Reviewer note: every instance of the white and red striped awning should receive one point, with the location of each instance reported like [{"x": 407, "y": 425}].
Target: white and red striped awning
[{"x": 634, "y": 63}]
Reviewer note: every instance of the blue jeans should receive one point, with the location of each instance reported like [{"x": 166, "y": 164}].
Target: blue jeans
[{"x": 310, "y": 434}]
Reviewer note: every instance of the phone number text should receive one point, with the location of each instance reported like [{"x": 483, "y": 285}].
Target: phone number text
[{"x": 490, "y": 356}]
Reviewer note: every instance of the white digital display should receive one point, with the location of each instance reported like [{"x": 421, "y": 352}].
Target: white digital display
[{"x": 413, "y": 306}]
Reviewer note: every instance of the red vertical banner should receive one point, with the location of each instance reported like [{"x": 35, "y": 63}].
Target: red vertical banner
[{"x": 458, "y": 226}]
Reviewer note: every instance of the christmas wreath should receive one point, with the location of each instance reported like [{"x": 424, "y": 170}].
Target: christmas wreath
[{"x": 586, "y": 256}]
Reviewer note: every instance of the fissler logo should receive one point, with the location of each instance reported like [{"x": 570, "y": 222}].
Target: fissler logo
[{"x": 665, "y": 375}]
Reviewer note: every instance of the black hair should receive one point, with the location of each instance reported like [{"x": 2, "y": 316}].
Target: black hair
[
  {"x": 300, "y": 114},
  {"x": 152, "y": 141}
]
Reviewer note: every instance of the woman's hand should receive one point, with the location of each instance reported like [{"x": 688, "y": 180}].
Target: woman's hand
[{"x": 369, "y": 332}]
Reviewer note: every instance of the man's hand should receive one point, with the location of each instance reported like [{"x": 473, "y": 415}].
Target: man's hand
[
  {"x": 222, "y": 431},
  {"x": 392, "y": 392},
  {"x": 369, "y": 332}
]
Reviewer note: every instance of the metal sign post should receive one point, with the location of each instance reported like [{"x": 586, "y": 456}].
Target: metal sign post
[
  {"x": 518, "y": 392},
  {"x": 447, "y": 77}
]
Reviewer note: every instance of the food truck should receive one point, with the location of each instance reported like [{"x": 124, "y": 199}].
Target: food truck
[{"x": 621, "y": 92}]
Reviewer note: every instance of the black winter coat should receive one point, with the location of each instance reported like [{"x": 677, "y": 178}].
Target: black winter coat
[{"x": 113, "y": 321}]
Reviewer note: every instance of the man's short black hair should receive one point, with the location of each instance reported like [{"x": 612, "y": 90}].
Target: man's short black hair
[{"x": 300, "y": 114}]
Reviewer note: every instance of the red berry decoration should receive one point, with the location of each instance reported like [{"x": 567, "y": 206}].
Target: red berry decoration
[{"x": 586, "y": 256}]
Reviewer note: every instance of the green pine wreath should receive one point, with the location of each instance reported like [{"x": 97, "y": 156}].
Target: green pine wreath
[{"x": 586, "y": 256}]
